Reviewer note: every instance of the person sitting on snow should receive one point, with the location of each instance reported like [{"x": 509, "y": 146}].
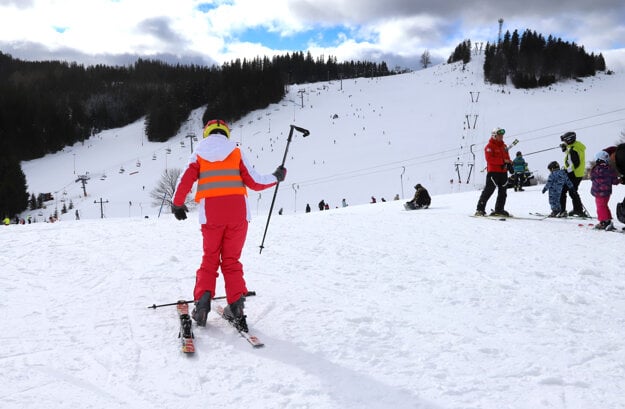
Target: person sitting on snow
[{"x": 420, "y": 200}]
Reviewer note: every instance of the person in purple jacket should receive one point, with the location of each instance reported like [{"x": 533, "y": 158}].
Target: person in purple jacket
[{"x": 603, "y": 176}]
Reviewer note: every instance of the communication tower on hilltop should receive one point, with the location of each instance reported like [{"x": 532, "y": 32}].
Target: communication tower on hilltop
[{"x": 500, "y": 25}]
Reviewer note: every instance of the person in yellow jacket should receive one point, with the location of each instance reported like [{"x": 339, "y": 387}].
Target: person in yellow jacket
[
  {"x": 6, "y": 221},
  {"x": 223, "y": 175},
  {"x": 575, "y": 166}
]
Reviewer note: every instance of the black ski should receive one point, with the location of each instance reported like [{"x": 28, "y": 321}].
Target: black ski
[
  {"x": 487, "y": 217},
  {"x": 252, "y": 339},
  {"x": 503, "y": 218}
]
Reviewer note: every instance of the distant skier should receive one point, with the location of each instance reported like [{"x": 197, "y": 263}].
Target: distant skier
[
  {"x": 421, "y": 199},
  {"x": 520, "y": 167},
  {"x": 307, "y": 208},
  {"x": 575, "y": 166},
  {"x": 617, "y": 156},
  {"x": 497, "y": 165},
  {"x": 322, "y": 205},
  {"x": 555, "y": 185}
]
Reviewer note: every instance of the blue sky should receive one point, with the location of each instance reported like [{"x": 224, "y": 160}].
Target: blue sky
[
  {"x": 321, "y": 37},
  {"x": 214, "y": 32}
]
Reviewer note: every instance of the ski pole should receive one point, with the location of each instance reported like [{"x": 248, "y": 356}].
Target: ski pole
[
  {"x": 154, "y": 306},
  {"x": 543, "y": 150},
  {"x": 305, "y": 133}
]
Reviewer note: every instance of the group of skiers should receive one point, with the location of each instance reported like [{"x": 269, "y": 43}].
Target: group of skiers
[
  {"x": 223, "y": 175},
  {"x": 560, "y": 183},
  {"x": 19, "y": 220}
]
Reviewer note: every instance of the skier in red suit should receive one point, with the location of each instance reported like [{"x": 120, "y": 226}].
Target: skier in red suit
[
  {"x": 223, "y": 175},
  {"x": 498, "y": 164}
]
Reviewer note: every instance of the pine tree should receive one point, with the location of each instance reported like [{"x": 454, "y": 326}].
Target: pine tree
[
  {"x": 13, "y": 189},
  {"x": 32, "y": 203}
]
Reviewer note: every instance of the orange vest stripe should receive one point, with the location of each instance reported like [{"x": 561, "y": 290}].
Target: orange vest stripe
[{"x": 221, "y": 178}]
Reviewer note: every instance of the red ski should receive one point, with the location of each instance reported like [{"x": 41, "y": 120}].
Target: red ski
[
  {"x": 186, "y": 333},
  {"x": 252, "y": 339}
]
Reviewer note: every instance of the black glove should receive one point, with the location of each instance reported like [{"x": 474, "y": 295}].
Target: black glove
[
  {"x": 179, "y": 211},
  {"x": 563, "y": 147},
  {"x": 510, "y": 167},
  {"x": 280, "y": 173},
  {"x": 622, "y": 179}
]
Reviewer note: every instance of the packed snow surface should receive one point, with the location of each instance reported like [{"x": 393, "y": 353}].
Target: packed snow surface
[{"x": 367, "y": 306}]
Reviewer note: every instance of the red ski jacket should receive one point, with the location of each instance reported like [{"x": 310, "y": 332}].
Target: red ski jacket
[{"x": 496, "y": 154}]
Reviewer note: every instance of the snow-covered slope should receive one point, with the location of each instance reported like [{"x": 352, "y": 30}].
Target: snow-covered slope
[
  {"x": 369, "y": 137},
  {"x": 368, "y": 306},
  {"x": 364, "y": 307}
]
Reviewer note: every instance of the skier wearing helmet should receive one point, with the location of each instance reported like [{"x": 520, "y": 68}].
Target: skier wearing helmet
[
  {"x": 556, "y": 183},
  {"x": 603, "y": 176},
  {"x": 497, "y": 165},
  {"x": 222, "y": 174},
  {"x": 575, "y": 167},
  {"x": 617, "y": 157}
]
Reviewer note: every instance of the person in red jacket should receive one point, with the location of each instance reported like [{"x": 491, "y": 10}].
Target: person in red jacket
[
  {"x": 497, "y": 165},
  {"x": 222, "y": 174}
]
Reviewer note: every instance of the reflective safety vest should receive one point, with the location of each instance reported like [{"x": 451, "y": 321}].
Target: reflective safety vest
[{"x": 221, "y": 178}]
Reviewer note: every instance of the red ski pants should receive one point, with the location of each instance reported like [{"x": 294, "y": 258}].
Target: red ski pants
[
  {"x": 223, "y": 244},
  {"x": 603, "y": 210}
]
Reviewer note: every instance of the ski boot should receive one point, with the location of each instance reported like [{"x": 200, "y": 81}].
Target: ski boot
[
  {"x": 579, "y": 213},
  {"x": 201, "y": 310},
  {"x": 234, "y": 313},
  {"x": 606, "y": 225},
  {"x": 500, "y": 213}
]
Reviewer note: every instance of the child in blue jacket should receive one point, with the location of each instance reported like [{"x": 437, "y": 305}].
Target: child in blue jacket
[{"x": 555, "y": 183}]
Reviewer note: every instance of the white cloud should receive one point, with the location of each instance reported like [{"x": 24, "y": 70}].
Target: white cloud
[{"x": 394, "y": 28}]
